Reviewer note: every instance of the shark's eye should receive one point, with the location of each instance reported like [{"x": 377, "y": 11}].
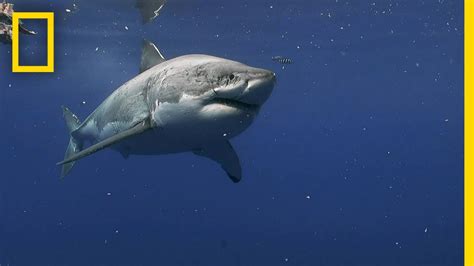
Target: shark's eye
[{"x": 231, "y": 77}]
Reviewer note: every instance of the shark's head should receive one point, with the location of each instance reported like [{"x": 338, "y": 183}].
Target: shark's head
[
  {"x": 230, "y": 86},
  {"x": 223, "y": 95}
]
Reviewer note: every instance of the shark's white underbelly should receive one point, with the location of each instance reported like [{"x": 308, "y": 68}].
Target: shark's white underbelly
[{"x": 183, "y": 129}]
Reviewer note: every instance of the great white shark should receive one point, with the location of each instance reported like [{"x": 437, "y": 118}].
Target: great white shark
[{"x": 192, "y": 103}]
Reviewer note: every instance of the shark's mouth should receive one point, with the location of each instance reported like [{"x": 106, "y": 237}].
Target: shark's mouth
[{"x": 236, "y": 104}]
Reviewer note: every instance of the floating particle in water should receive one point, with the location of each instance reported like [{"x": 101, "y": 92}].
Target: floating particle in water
[{"x": 72, "y": 10}]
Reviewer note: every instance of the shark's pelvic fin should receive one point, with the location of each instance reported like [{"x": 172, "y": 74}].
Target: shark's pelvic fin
[
  {"x": 224, "y": 154},
  {"x": 75, "y": 146},
  {"x": 137, "y": 129},
  {"x": 151, "y": 56}
]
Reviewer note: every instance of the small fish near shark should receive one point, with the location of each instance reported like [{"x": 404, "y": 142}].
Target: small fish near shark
[
  {"x": 192, "y": 103},
  {"x": 282, "y": 60}
]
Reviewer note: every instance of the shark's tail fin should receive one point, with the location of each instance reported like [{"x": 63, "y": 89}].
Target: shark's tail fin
[{"x": 75, "y": 145}]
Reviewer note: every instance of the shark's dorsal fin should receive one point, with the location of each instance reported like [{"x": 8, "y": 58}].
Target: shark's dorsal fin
[{"x": 151, "y": 56}]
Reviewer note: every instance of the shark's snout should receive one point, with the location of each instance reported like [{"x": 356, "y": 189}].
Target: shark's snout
[
  {"x": 259, "y": 87},
  {"x": 249, "y": 87}
]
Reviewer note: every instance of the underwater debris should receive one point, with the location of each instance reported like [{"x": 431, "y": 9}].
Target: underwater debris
[
  {"x": 72, "y": 10},
  {"x": 149, "y": 9},
  {"x": 282, "y": 60},
  {"x": 6, "y": 13},
  {"x": 5, "y": 33}
]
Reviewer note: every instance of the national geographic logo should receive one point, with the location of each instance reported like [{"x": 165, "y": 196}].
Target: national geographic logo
[{"x": 49, "y": 17}]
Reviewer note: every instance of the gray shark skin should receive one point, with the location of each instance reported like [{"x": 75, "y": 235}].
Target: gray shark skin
[{"x": 192, "y": 103}]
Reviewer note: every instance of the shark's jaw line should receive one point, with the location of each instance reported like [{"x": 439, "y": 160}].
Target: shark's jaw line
[
  {"x": 245, "y": 99},
  {"x": 235, "y": 103}
]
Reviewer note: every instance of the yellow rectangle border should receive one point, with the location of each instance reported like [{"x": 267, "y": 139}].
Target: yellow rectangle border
[
  {"x": 49, "y": 17},
  {"x": 468, "y": 133}
]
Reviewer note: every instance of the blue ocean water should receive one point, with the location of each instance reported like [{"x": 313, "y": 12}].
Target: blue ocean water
[{"x": 356, "y": 159}]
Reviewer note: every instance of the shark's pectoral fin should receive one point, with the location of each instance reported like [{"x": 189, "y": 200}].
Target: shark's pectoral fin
[
  {"x": 137, "y": 129},
  {"x": 224, "y": 154}
]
